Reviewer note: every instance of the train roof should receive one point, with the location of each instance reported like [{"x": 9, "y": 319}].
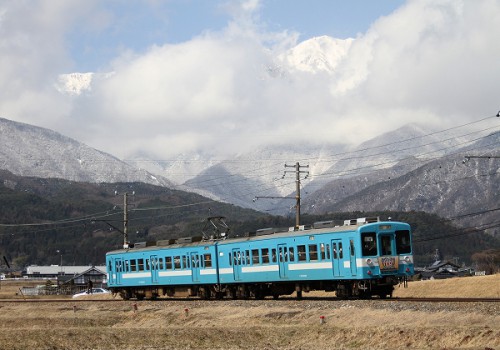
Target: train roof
[{"x": 261, "y": 234}]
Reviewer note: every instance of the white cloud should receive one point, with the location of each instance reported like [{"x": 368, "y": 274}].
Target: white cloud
[
  {"x": 32, "y": 55},
  {"x": 430, "y": 61},
  {"x": 431, "y": 55}
]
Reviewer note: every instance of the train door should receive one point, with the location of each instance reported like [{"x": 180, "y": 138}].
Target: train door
[
  {"x": 387, "y": 261},
  {"x": 195, "y": 266},
  {"x": 352, "y": 254},
  {"x": 337, "y": 257},
  {"x": 283, "y": 260},
  {"x": 112, "y": 273},
  {"x": 237, "y": 260},
  {"x": 153, "y": 265},
  {"x": 118, "y": 271}
]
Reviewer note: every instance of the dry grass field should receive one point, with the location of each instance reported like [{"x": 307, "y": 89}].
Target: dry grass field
[{"x": 252, "y": 324}]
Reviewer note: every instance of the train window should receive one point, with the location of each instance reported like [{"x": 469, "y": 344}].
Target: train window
[
  {"x": 255, "y": 256},
  {"x": 291, "y": 254},
  {"x": 369, "y": 243},
  {"x": 322, "y": 251},
  {"x": 230, "y": 259},
  {"x": 351, "y": 247},
  {"x": 168, "y": 263},
  {"x": 147, "y": 265},
  {"x": 335, "y": 251},
  {"x": 238, "y": 258},
  {"x": 247, "y": 257},
  {"x": 127, "y": 266},
  {"x": 328, "y": 251},
  {"x": 403, "y": 242},
  {"x": 341, "y": 252},
  {"x": 194, "y": 261},
  {"x": 133, "y": 265},
  {"x": 160, "y": 264},
  {"x": 208, "y": 260},
  {"x": 273, "y": 255},
  {"x": 283, "y": 254},
  {"x": 385, "y": 242},
  {"x": 140, "y": 264},
  {"x": 177, "y": 262},
  {"x": 301, "y": 252},
  {"x": 265, "y": 256},
  {"x": 313, "y": 252},
  {"x": 185, "y": 262}
]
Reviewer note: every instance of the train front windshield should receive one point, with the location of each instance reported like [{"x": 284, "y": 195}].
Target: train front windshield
[
  {"x": 403, "y": 245},
  {"x": 395, "y": 243}
]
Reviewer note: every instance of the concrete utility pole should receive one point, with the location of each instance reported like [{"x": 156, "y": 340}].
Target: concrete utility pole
[
  {"x": 125, "y": 221},
  {"x": 297, "y": 171}
]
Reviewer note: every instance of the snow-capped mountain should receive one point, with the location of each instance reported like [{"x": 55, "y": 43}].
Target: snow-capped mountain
[
  {"x": 329, "y": 173},
  {"x": 29, "y": 150},
  {"x": 316, "y": 55},
  {"x": 265, "y": 172},
  {"x": 335, "y": 174},
  {"x": 449, "y": 186},
  {"x": 74, "y": 83},
  {"x": 319, "y": 54},
  {"x": 260, "y": 179}
]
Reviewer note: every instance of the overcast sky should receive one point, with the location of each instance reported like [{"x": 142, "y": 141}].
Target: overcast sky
[{"x": 183, "y": 76}]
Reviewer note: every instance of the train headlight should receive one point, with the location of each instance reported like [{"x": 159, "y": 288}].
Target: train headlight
[
  {"x": 407, "y": 259},
  {"x": 369, "y": 261}
]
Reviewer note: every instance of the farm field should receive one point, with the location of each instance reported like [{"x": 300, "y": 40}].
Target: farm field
[{"x": 317, "y": 322}]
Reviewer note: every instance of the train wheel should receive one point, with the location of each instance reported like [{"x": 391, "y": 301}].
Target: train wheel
[
  {"x": 246, "y": 293},
  {"x": 125, "y": 294},
  {"x": 231, "y": 293},
  {"x": 204, "y": 292},
  {"x": 258, "y": 294},
  {"x": 299, "y": 295}
]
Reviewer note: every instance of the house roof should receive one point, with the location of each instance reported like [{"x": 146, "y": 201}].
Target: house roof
[
  {"x": 57, "y": 269},
  {"x": 440, "y": 264}
]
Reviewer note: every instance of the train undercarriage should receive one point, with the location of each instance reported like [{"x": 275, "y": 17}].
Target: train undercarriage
[{"x": 363, "y": 289}]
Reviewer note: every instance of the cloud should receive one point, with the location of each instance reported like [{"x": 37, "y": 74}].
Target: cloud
[
  {"x": 436, "y": 56},
  {"x": 228, "y": 91},
  {"x": 33, "y": 53}
]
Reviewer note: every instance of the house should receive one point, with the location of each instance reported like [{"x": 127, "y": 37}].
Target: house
[
  {"x": 79, "y": 275},
  {"x": 441, "y": 270}
]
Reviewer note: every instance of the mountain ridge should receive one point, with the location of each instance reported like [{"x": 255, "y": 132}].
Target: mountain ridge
[{"x": 29, "y": 150}]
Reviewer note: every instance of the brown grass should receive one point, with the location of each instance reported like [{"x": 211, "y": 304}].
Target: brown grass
[
  {"x": 465, "y": 287},
  {"x": 268, "y": 324}
]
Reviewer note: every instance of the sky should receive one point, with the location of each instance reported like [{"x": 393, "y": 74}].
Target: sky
[{"x": 175, "y": 78}]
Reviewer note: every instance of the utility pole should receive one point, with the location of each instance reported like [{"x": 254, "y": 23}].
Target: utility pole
[
  {"x": 297, "y": 171},
  {"x": 125, "y": 221}
]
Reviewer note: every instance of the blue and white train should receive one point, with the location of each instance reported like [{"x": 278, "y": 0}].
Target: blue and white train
[{"x": 359, "y": 259}]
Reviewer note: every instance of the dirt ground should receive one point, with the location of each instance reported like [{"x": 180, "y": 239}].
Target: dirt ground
[{"x": 316, "y": 322}]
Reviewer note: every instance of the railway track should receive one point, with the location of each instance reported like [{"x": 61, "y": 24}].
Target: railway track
[{"x": 283, "y": 299}]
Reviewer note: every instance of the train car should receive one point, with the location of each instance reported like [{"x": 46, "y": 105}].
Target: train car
[
  {"x": 148, "y": 271},
  {"x": 359, "y": 258}
]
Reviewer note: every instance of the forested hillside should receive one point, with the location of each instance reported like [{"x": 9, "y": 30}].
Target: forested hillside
[{"x": 44, "y": 221}]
